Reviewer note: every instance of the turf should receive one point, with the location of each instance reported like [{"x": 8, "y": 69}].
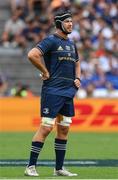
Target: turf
[
  {"x": 46, "y": 173},
  {"x": 80, "y": 146}
]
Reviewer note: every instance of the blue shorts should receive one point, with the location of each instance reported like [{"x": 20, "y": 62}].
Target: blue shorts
[{"x": 52, "y": 105}]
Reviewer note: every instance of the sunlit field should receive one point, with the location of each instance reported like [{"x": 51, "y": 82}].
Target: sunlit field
[{"x": 91, "y": 155}]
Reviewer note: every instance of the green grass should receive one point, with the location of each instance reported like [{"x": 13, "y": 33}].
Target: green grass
[
  {"x": 46, "y": 173},
  {"x": 80, "y": 146}
]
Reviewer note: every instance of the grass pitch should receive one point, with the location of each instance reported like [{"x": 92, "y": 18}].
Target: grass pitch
[{"x": 100, "y": 146}]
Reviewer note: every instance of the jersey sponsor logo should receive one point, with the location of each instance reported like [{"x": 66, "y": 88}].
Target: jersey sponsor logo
[
  {"x": 46, "y": 110},
  {"x": 60, "y": 48},
  {"x": 66, "y": 58}
]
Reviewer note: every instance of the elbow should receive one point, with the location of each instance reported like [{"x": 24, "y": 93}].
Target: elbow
[
  {"x": 33, "y": 54},
  {"x": 30, "y": 55}
]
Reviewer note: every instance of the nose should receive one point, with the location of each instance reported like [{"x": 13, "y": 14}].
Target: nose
[{"x": 70, "y": 23}]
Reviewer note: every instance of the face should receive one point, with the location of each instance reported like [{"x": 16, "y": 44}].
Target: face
[{"x": 67, "y": 23}]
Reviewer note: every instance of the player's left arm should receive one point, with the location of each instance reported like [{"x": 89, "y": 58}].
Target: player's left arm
[{"x": 77, "y": 80}]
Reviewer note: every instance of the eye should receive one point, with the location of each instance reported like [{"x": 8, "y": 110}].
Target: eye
[{"x": 67, "y": 21}]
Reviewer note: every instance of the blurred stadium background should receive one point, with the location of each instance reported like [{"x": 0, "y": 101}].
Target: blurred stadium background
[{"x": 94, "y": 132}]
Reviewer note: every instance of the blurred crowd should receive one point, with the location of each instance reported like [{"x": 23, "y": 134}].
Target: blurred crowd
[
  {"x": 95, "y": 31},
  {"x": 18, "y": 90}
]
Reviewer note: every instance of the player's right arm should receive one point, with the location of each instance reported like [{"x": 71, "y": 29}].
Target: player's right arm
[{"x": 35, "y": 56}]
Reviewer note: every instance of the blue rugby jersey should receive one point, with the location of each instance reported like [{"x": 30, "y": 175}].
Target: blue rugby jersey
[{"x": 60, "y": 56}]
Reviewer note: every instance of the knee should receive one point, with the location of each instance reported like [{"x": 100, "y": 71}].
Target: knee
[
  {"x": 64, "y": 130},
  {"x": 46, "y": 131},
  {"x": 42, "y": 133},
  {"x": 63, "y": 127},
  {"x": 47, "y": 125}
]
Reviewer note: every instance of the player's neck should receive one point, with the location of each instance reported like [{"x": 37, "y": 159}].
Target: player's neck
[{"x": 61, "y": 34}]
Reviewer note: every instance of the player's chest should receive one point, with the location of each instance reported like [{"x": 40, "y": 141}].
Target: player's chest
[{"x": 64, "y": 51}]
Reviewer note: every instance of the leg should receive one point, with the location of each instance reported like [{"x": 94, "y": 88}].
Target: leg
[
  {"x": 42, "y": 133},
  {"x": 61, "y": 140},
  {"x": 38, "y": 141},
  {"x": 47, "y": 103},
  {"x": 62, "y": 131},
  {"x": 37, "y": 144},
  {"x": 63, "y": 124}
]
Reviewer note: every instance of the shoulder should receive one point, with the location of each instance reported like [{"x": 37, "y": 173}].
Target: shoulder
[
  {"x": 71, "y": 41},
  {"x": 50, "y": 38},
  {"x": 47, "y": 44}
]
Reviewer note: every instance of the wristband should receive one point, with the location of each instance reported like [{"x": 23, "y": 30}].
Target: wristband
[{"x": 78, "y": 79}]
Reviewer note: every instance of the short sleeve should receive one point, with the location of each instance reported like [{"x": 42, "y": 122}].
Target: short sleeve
[{"x": 45, "y": 45}]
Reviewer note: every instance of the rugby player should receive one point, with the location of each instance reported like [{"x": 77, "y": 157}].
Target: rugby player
[{"x": 61, "y": 79}]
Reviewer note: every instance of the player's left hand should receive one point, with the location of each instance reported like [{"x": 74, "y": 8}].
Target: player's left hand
[{"x": 77, "y": 83}]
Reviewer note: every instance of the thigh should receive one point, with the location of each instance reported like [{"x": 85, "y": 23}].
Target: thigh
[
  {"x": 68, "y": 108},
  {"x": 51, "y": 105}
]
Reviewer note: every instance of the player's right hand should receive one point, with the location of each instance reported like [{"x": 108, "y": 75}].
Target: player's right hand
[{"x": 45, "y": 75}]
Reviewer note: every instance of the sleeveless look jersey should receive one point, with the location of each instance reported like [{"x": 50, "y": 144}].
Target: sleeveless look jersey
[{"x": 60, "y": 56}]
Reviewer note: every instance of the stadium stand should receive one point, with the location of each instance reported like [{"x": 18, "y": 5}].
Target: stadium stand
[
  {"x": 4, "y": 13},
  {"x": 95, "y": 31},
  {"x": 13, "y": 61},
  {"x": 18, "y": 69}
]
